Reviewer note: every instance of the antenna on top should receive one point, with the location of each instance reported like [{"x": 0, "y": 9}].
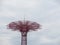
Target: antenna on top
[{"x": 24, "y": 17}]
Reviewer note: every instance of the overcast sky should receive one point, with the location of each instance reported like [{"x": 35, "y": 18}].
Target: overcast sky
[{"x": 45, "y": 12}]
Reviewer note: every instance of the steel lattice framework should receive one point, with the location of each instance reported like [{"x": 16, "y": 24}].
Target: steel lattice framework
[{"x": 24, "y": 27}]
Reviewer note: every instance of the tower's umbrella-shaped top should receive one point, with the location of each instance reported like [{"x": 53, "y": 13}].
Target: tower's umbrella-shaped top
[{"x": 23, "y": 26}]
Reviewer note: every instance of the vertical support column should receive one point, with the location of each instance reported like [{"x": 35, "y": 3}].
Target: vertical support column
[{"x": 23, "y": 38}]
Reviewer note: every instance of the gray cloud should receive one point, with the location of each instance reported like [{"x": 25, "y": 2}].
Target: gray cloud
[{"x": 45, "y": 12}]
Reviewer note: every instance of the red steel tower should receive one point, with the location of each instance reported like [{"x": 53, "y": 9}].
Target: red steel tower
[{"x": 24, "y": 27}]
